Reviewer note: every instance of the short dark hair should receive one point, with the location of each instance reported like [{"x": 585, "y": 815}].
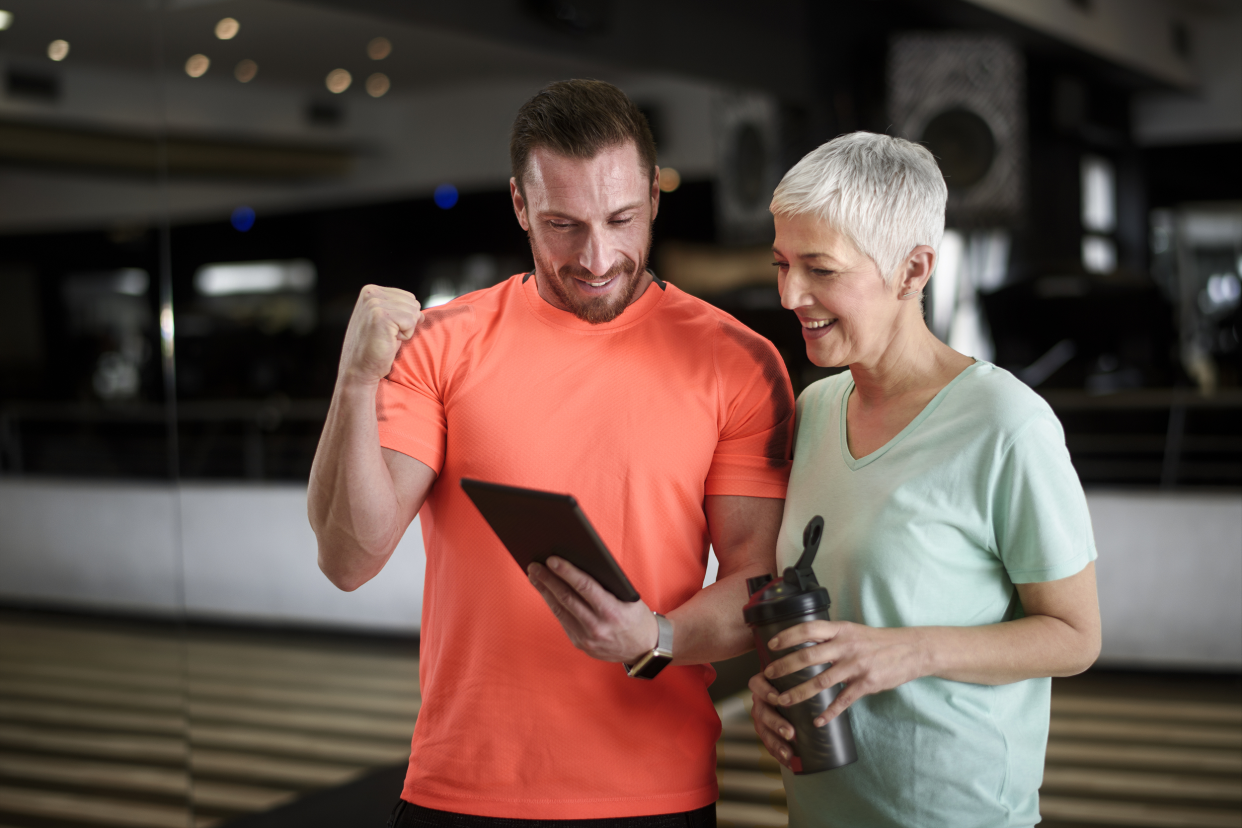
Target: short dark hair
[{"x": 579, "y": 119}]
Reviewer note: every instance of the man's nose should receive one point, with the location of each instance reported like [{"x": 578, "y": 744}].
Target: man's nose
[{"x": 596, "y": 254}]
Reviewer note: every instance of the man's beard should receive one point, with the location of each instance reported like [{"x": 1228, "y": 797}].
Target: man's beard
[{"x": 598, "y": 309}]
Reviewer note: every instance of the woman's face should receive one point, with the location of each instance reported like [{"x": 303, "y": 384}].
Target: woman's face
[{"x": 848, "y": 315}]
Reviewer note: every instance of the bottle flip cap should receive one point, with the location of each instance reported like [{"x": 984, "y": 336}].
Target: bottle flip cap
[{"x": 797, "y": 592}]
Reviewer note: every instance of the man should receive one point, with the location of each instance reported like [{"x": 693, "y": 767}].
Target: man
[{"x": 666, "y": 419}]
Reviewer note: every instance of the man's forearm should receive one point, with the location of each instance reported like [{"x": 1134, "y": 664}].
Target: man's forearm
[
  {"x": 709, "y": 627},
  {"x": 351, "y": 501}
]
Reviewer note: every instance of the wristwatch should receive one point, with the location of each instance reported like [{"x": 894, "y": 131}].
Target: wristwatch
[{"x": 650, "y": 665}]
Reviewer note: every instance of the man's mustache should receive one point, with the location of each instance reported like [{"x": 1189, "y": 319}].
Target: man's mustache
[{"x": 620, "y": 268}]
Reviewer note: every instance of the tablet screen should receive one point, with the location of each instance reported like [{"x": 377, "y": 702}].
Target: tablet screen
[{"x": 534, "y": 525}]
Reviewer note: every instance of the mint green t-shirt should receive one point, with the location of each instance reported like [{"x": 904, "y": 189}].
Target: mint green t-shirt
[{"x": 935, "y": 528}]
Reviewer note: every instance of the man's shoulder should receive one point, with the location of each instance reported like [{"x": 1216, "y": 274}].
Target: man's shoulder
[
  {"x": 695, "y": 312},
  {"x": 469, "y": 308}
]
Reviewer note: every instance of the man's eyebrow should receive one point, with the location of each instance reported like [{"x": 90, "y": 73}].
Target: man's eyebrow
[{"x": 556, "y": 213}]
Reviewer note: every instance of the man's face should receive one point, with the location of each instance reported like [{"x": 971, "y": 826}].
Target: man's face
[{"x": 589, "y": 223}]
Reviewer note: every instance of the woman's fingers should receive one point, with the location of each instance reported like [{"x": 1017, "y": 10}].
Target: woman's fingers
[
  {"x": 848, "y": 695},
  {"x": 770, "y": 718},
  {"x": 771, "y": 728},
  {"x": 802, "y": 633},
  {"x": 825, "y": 653},
  {"x": 831, "y": 677}
]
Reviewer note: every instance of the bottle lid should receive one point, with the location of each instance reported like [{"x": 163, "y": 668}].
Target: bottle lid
[
  {"x": 796, "y": 593},
  {"x": 779, "y": 602}
]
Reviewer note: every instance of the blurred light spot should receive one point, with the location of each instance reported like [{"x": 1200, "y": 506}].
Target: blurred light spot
[
  {"x": 6, "y": 19},
  {"x": 167, "y": 329},
  {"x": 227, "y": 28},
  {"x": 377, "y": 85},
  {"x": 242, "y": 218},
  {"x": 1223, "y": 291},
  {"x": 226, "y": 278},
  {"x": 115, "y": 378},
  {"x": 1099, "y": 195},
  {"x": 58, "y": 49},
  {"x": 246, "y": 70},
  {"x": 338, "y": 81},
  {"x": 437, "y": 299},
  {"x": 445, "y": 196},
  {"x": 1099, "y": 254},
  {"x": 670, "y": 179},
  {"x": 197, "y": 65},
  {"x": 944, "y": 282},
  {"x": 379, "y": 48},
  {"x": 131, "y": 281}
]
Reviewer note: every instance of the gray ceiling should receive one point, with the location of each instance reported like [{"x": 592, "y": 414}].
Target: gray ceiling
[{"x": 293, "y": 43}]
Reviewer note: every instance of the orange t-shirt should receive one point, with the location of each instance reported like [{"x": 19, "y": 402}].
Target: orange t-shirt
[{"x": 638, "y": 418}]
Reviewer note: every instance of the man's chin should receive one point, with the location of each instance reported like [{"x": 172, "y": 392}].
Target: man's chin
[{"x": 597, "y": 306}]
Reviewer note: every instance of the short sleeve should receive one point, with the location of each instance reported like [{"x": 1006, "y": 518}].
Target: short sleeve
[
  {"x": 1043, "y": 528},
  {"x": 411, "y": 399},
  {"x": 752, "y": 456}
]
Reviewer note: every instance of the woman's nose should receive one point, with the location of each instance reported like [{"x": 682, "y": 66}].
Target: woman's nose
[{"x": 793, "y": 291}]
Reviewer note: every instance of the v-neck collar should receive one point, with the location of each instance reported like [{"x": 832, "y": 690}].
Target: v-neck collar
[{"x": 856, "y": 464}]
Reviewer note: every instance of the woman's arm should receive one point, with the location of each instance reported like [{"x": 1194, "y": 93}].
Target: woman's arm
[{"x": 1059, "y": 636}]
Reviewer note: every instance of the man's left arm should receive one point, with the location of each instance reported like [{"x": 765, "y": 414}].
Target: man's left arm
[{"x": 708, "y": 627}]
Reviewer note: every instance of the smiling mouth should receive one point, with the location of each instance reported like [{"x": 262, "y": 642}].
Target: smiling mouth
[
  {"x": 812, "y": 324},
  {"x": 597, "y": 284}
]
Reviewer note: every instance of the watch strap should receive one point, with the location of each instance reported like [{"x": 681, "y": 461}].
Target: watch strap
[{"x": 652, "y": 662}]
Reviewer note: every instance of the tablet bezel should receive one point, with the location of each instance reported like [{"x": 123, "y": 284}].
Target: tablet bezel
[{"x": 562, "y": 530}]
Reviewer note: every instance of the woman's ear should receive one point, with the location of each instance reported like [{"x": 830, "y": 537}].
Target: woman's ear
[{"x": 917, "y": 270}]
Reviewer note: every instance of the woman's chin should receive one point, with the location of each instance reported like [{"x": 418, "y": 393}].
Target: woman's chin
[{"x": 824, "y": 357}]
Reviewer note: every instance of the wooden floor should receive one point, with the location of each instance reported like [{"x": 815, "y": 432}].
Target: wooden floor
[
  {"x": 131, "y": 725},
  {"x": 145, "y": 726}
]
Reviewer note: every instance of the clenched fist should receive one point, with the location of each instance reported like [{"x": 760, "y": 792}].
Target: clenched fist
[{"x": 382, "y": 319}]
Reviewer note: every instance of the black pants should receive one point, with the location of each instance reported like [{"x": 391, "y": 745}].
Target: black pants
[{"x": 409, "y": 815}]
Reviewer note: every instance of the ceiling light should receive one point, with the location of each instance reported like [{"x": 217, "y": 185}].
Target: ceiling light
[
  {"x": 197, "y": 65},
  {"x": 246, "y": 70},
  {"x": 58, "y": 49},
  {"x": 227, "y": 28},
  {"x": 6, "y": 19},
  {"x": 670, "y": 179},
  {"x": 338, "y": 81},
  {"x": 297, "y": 276},
  {"x": 377, "y": 85},
  {"x": 379, "y": 48}
]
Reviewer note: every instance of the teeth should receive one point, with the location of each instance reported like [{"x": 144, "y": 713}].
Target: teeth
[{"x": 818, "y": 323}]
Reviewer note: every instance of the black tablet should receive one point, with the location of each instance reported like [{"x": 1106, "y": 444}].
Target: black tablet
[{"x": 534, "y": 525}]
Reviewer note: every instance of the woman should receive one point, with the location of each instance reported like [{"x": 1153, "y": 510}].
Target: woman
[{"x": 957, "y": 546}]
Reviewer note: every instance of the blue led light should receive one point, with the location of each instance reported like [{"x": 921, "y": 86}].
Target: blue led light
[
  {"x": 242, "y": 218},
  {"x": 446, "y": 196}
]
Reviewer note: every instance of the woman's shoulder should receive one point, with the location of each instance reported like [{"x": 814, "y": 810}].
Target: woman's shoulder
[
  {"x": 824, "y": 391},
  {"x": 1004, "y": 401}
]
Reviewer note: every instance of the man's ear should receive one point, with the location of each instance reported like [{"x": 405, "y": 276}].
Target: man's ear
[
  {"x": 519, "y": 204},
  {"x": 917, "y": 270},
  {"x": 655, "y": 193}
]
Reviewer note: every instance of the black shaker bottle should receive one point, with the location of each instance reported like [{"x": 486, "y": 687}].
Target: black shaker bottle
[{"x": 776, "y": 605}]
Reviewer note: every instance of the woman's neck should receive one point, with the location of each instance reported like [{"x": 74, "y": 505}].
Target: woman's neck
[{"x": 914, "y": 362}]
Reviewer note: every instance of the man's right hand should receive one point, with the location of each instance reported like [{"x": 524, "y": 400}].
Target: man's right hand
[{"x": 383, "y": 318}]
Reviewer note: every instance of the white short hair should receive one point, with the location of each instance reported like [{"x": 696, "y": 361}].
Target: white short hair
[{"x": 885, "y": 194}]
